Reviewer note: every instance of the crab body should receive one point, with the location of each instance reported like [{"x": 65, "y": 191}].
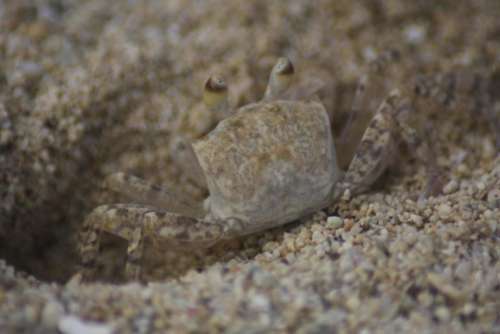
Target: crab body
[
  {"x": 265, "y": 165},
  {"x": 269, "y": 163}
]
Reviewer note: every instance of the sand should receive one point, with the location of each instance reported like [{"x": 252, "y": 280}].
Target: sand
[{"x": 90, "y": 88}]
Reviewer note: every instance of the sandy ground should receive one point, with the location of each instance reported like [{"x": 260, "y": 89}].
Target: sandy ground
[{"x": 90, "y": 88}]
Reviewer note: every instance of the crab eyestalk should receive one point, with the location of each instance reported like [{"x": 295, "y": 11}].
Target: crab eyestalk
[
  {"x": 280, "y": 78},
  {"x": 215, "y": 95}
]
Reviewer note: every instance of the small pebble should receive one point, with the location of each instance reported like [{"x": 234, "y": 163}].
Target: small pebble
[
  {"x": 425, "y": 299},
  {"x": 260, "y": 302},
  {"x": 353, "y": 303},
  {"x": 335, "y": 222},
  {"x": 444, "y": 286},
  {"x": 450, "y": 187},
  {"x": 31, "y": 313},
  {"x": 468, "y": 309},
  {"x": 346, "y": 196},
  {"x": 415, "y": 34},
  {"x": 494, "y": 197},
  {"x": 493, "y": 224},
  {"x": 74, "y": 325},
  {"x": 270, "y": 246},
  {"x": 51, "y": 314},
  {"x": 442, "y": 313},
  {"x": 463, "y": 270},
  {"x": 416, "y": 219},
  {"x": 444, "y": 211}
]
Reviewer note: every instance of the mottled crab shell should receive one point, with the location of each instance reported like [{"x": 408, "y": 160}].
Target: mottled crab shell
[{"x": 269, "y": 163}]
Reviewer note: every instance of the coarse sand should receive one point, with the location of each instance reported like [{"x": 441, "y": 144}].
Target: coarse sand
[{"x": 88, "y": 88}]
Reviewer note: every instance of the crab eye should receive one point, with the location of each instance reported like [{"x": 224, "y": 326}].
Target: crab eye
[
  {"x": 215, "y": 83},
  {"x": 219, "y": 81},
  {"x": 284, "y": 66}
]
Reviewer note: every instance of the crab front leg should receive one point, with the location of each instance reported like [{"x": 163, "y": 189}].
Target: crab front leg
[
  {"x": 139, "y": 191},
  {"x": 120, "y": 220},
  {"x": 135, "y": 223}
]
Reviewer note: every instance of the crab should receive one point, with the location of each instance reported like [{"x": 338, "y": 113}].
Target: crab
[{"x": 267, "y": 164}]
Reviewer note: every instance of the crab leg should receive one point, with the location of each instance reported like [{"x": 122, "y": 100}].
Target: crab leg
[
  {"x": 184, "y": 156},
  {"x": 373, "y": 154},
  {"x": 134, "y": 224},
  {"x": 142, "y": 192},
  {"x": 472, "y": 90},
  {"x": 378, "y": 145},
  {"x": 421, "y": 147},
  {"x": 369, "y": 87}
]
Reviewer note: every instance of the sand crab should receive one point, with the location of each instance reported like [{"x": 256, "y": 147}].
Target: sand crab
[{"x": 269, "y": 163}]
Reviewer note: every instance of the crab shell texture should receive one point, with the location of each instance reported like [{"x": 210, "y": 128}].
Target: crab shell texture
[{"x": 269, "y": 163}]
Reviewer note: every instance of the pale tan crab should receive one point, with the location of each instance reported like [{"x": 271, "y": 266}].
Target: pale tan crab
[{"x": 269, "y": 163}]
